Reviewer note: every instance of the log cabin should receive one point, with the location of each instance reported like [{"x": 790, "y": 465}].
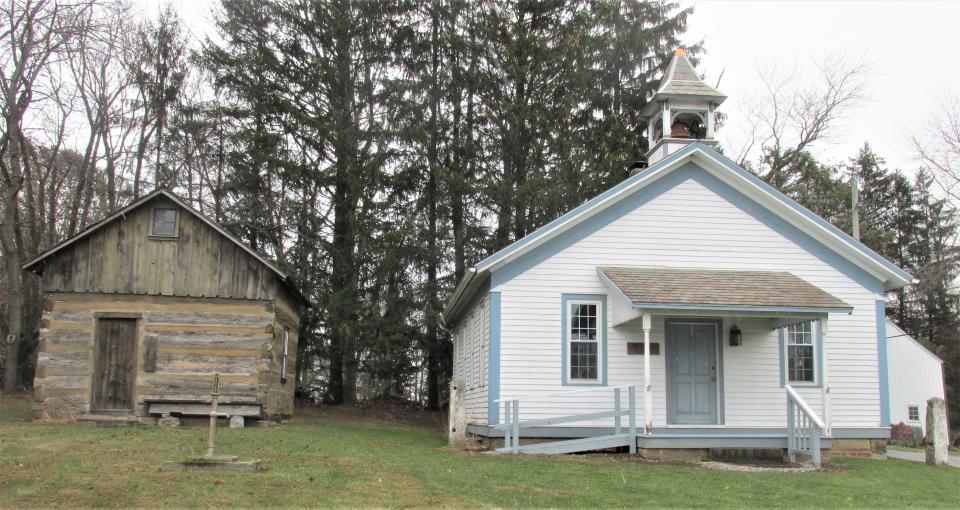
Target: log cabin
[{"x": 145, "y": 306}]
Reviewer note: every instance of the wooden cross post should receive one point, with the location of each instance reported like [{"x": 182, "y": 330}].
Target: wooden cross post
[{"x": 214, "y": 398}]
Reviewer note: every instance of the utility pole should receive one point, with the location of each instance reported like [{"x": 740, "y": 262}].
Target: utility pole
[{"x": 854, "y": 205}]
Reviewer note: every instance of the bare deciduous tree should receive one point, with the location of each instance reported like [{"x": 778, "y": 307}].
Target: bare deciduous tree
[
  {"x": 794, "y": 110},
  {"x": 32, "y": 37},
  {"x": 938, "y": 145},
  {"x": 95, "y": 62}
]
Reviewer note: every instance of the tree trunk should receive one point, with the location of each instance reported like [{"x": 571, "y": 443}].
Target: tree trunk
[
  {"x": 11, "y": 262},
  {"x": 343, "y": 298}
]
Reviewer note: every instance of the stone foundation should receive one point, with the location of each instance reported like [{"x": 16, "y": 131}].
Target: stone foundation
[{"x": 859, "y": 448}]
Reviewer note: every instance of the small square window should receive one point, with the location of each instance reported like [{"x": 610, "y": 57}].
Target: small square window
[
  {"x": 164, "y": 222},
  {"x": 913, "y": 413}
]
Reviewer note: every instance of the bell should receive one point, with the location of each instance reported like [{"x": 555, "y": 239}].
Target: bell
[{"x": 679, "y": 130}]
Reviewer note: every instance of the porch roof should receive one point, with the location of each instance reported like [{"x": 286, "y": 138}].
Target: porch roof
[{"x": 713, "y": 289}]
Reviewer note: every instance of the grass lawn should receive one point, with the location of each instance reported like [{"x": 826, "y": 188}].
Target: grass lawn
[{"x": 335, "y": 459}]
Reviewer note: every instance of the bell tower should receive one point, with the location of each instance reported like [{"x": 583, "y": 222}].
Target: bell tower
[{"x": 682, "y": 110}]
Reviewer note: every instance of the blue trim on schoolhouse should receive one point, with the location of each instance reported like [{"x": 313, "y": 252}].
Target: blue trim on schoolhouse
[
  {"x": 493, "y": 382},
  {"x": 882, "y": 358}
]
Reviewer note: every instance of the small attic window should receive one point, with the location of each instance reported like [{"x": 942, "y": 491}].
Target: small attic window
[{"x": 164, "y": 222}]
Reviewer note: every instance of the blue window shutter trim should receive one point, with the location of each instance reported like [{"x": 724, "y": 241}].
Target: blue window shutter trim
[
  {"x": 565, "y": 364},
  {"x": 783, "y": 357},
  {"x": 818, "y": 376},
  {"x": 493, "y": 386},
  {"x": 882, "y": 359}
]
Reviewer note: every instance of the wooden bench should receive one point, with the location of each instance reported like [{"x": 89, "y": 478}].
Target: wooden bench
[{"x": 181, "y": 407}]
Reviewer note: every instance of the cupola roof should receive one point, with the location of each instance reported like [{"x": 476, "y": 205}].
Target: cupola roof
[{"x": 682, "y": 80}]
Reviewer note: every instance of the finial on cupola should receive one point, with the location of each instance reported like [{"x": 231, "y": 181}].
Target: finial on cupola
[{"x": 683, "y": 109}]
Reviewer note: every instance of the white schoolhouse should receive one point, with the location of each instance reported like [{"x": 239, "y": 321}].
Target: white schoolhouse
[{"x": 690, "y": 306}]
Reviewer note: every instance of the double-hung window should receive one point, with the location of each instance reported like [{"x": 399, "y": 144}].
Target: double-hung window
[
  {"x": 913, "y": 413},
  {"x": 585, "y": 338},
  {"x": 801, "y": 353}
]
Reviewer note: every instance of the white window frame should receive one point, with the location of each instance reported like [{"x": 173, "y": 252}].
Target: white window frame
[
  {"x": 176, "y": 221},
  {"x": 283, "y": 362},
  {"x": 813, "y": 345},
  {"x": 569, "y": 339},
  {"x": 910, "y": 408}
]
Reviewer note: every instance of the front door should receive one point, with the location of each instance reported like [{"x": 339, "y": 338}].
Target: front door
[
  {"x": 692, "y": 372},
  {"x": 114, "y": 365}
]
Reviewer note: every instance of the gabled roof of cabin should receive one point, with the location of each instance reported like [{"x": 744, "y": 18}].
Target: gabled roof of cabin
[
  {"x": 36, "y": 265},
  {"x": 719, "y": 166}
]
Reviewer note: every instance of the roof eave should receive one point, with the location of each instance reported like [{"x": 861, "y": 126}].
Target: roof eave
[
  {"x": 740, "y": 308},
  {"x": 462, "y": 293}
]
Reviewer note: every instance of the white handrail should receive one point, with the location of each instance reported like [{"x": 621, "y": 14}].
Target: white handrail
[
  {"x": 560, "y": 393},
  {"x": 803, "y": 405}
]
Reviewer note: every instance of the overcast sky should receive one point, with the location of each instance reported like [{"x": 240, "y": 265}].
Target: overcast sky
[{"x": 911, "y": 46}]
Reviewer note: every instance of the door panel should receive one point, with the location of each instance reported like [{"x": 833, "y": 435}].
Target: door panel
[
  {"x": 114, "y": 365},
  {"x": 692, "y": 373}
]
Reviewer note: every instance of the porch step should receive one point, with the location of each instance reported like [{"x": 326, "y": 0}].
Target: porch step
[{"x": 574, "y": 445}]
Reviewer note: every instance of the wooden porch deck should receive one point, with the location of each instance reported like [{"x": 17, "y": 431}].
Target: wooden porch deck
[{"x": 804, "y": 432}]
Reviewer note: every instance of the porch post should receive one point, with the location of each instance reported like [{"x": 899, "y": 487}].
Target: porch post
[
  {"x": 825, "y": 377},
  {"x": 647, "y": 389},
  {"x": 665, "y": 119}
]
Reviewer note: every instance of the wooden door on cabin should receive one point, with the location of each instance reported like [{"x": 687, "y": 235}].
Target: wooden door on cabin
[{"x": 114, "y": 365}]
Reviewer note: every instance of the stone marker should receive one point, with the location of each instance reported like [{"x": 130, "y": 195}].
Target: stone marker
[
  {"x": 936, "y": 440},
  {"x": 236, "y": 422},
  {"x": 457, "y": 434},
  {"x": 168, "y": 421}
]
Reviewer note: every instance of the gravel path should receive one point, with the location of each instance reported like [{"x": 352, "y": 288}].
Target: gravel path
[{"x": 726, "y": 466}]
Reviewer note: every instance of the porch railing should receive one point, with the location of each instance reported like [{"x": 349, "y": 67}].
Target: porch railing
[
  {"x": 804, "y": 428},
  {"x": 512, "y": 425}
]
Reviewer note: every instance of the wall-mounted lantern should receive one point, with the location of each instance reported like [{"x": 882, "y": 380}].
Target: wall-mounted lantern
[{"x": 736, "y": 336}]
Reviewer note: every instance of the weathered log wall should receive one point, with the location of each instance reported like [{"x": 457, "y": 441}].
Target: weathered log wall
[
  {"x": 181, "y": 343},
  {"x": 280, "y": 395}
]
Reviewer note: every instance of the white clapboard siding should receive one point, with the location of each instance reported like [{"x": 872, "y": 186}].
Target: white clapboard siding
[
  {"x": 686, "y": 226},
  {"x": 916, "y": 375},
  {"x": 471, "y": 351}
]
